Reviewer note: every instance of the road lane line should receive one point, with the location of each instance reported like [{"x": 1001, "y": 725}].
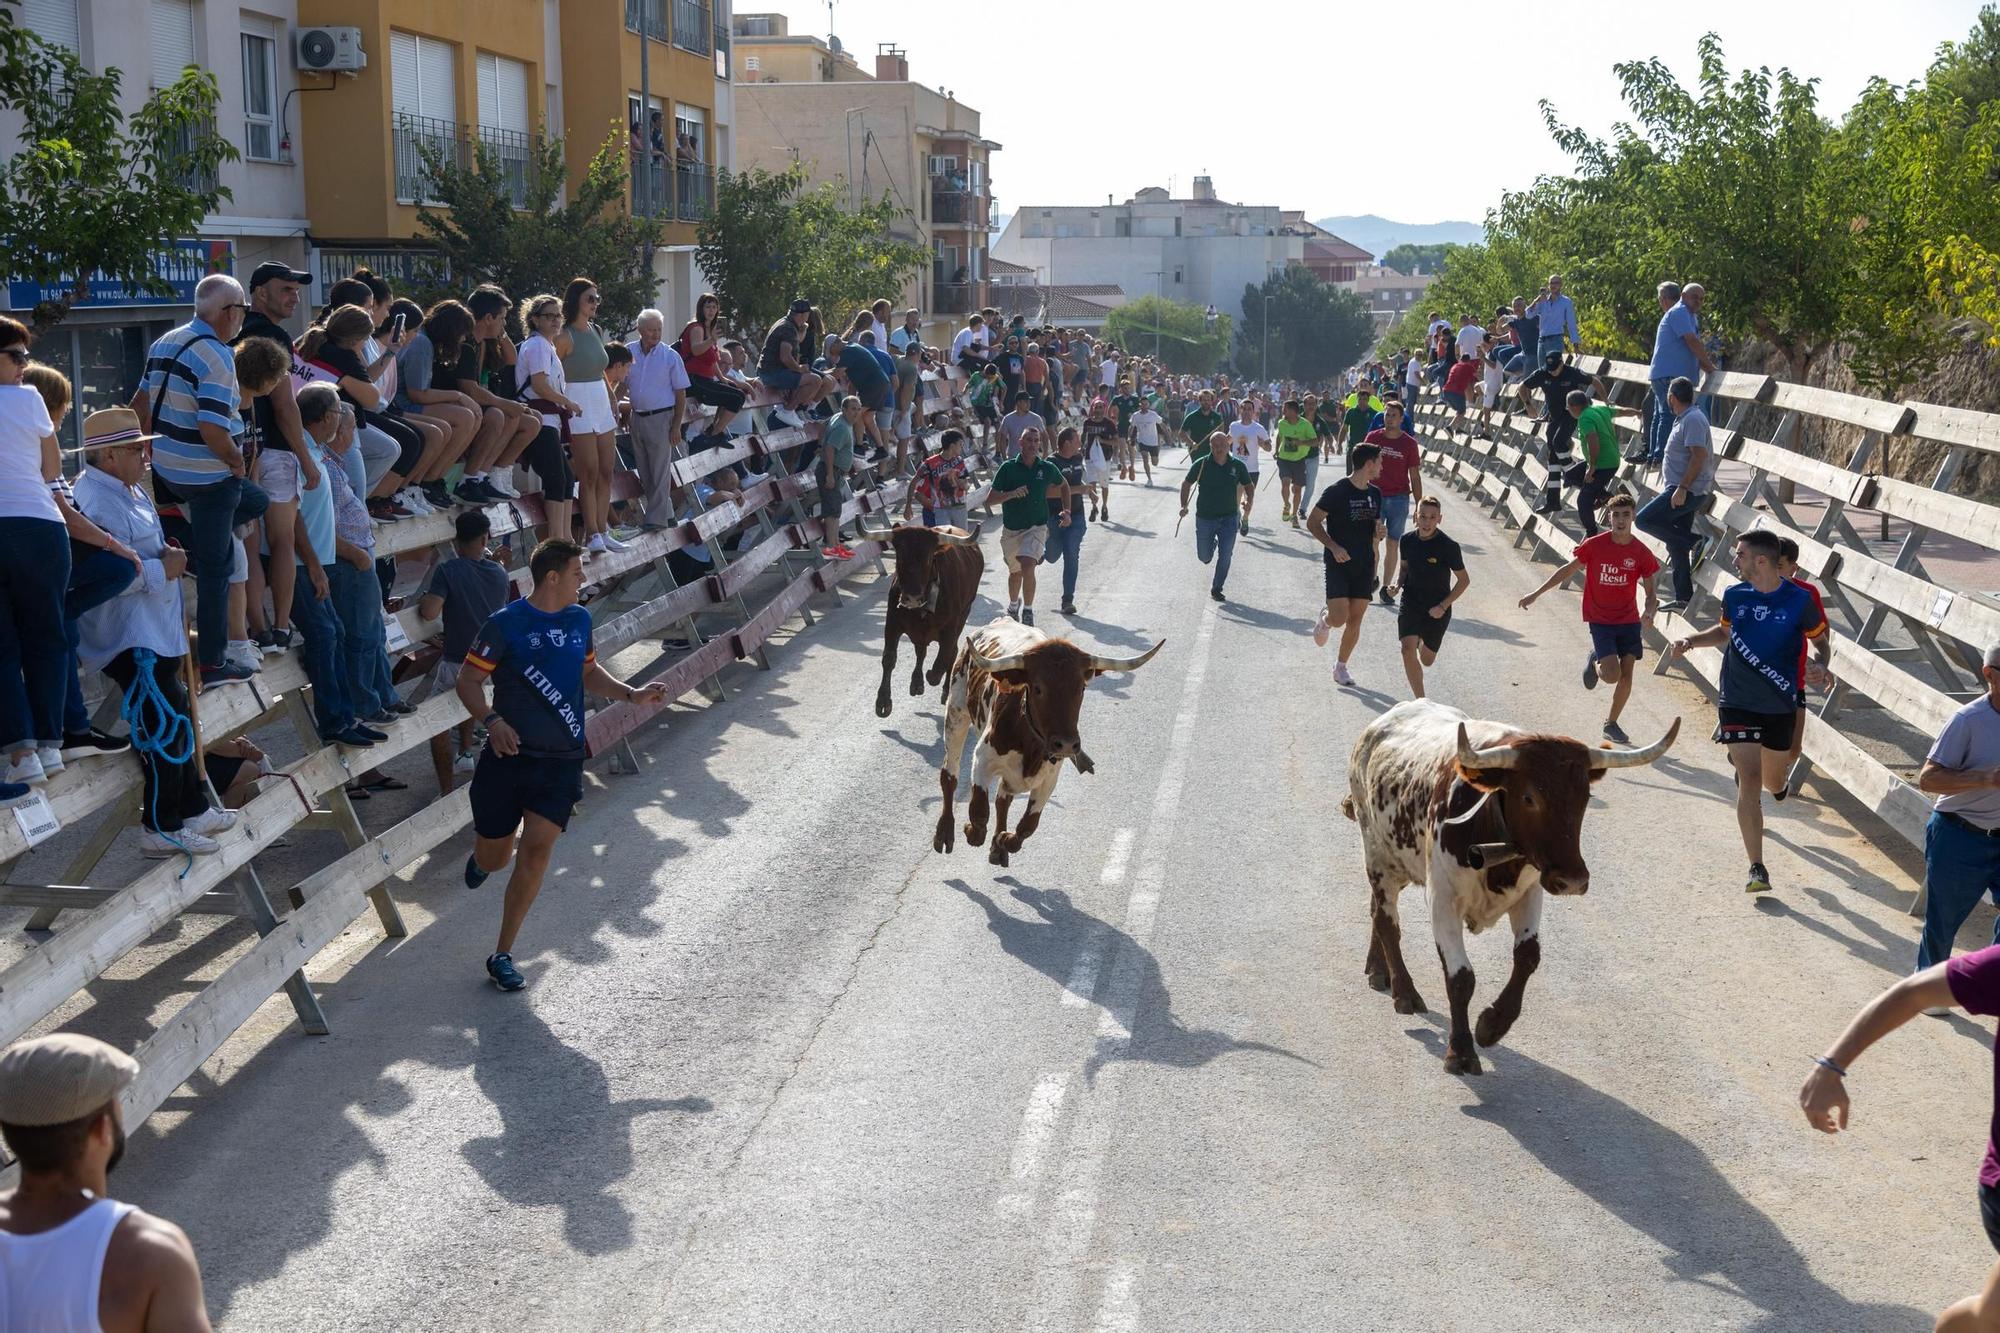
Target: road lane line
[
  {"x": 1118, "y": 1312},
  {"x": 1082, "y": 983},
  {"x": 1116, "y": 859}
]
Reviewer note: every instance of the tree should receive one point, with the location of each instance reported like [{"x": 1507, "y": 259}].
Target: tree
[
  {"x": 1316, "y": 329},
  {"x": 1408, "y": 258},
  {"x": 1189, "y": 343},
  {"x": 481, "y": 236},
  {"x": 91, "y": 190},
  {"x": 772, "y": 240}
]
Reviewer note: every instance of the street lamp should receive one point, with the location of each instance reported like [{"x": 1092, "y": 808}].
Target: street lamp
[{"x": 1159, "y": 290}]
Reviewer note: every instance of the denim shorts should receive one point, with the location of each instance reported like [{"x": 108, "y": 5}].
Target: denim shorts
[
  {"x": 1396, "y": 514},
  {"x": 1617, "y": 640},
  {"x": 782, "y": 380}
]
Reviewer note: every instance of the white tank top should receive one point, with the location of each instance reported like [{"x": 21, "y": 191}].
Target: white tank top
[{"x": 49, "y": 1281}]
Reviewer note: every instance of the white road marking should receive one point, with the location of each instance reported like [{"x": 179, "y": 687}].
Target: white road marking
[
  {"x": 1116, "y": 859},
  {"x": 1118, "y": 1312},
  {"x": 1082, "y": 983},
  {"x": 1031, "y": 1145}
]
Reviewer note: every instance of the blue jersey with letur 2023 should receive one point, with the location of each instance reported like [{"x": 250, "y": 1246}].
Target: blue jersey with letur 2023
[
  {"x": 1767, "y": 633},
  {"x": 537, "y": 660}
]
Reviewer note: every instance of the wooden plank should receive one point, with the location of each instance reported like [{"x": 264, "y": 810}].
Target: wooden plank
[
  {"x": 1955, "y": 425},
  {"x": 1940, "y": 511},
  {"x": 1867, "y": 780},
  {"x": 1829, "y": 479},
  {"x": 1735, "y": 385},
  {"x": 608, "y": 726},
  {"x": 1848, "y": 408},
  {"x": 334, "y": 897},
  {"x": 746, "y": 568},
  {"x": 1910, "y": 699},
  {"x": 646, "y": 618},
  {"x": 782, "y": 607}
]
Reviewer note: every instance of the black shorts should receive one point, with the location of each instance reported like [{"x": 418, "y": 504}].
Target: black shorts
[
  {"x": 505, "y": 789},
  {"x": 1416, "y": 618},
  {"x": 985, "y": 411},
  {"x": 716, "y": 393},
  {"x": 550, "y": 462},
  {"x": 1617, "y": 640},
  {"x": 1740, "y": 726},
  {"x": 1292, "y": 469},
  {"x": 1152, "y": 452},
  {"x": 1989, "y": 1212},
  {"x": 1354, "y": 580}
]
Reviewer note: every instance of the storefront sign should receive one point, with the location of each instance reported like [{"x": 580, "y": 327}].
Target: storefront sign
[{"x": 181, "y": 263}]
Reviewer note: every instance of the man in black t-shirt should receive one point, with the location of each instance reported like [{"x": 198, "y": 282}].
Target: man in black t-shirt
[
  {"x": 1556, "y": 381},
  {"x": 1433, "y": 578},
  {"x": 781, "y": 369},
  {"x": 1347, "y": 521}
]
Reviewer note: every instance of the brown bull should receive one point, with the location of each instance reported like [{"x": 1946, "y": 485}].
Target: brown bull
[{"x": 937, "y": 576}]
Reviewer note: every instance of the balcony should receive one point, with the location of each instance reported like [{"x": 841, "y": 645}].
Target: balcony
[
  {"x": 410, "y": 137},
  {"x": 664, "y": 190},
  {"x": 511, "y": 151},
  {"x": 647, "y": 16},
  {"x": 186, "y": 174},
  {"x": 956, "y": 206},
  {"x": 694, "y": 191},
  {"x": 694, "y": 26},
  {"x": 721, "y": 53},
  {"x": 954, "y": 298}
]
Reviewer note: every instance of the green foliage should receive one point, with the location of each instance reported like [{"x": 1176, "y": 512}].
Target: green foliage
[
  {"x": 1316, "y": 329},
  {"x": 481, "y": 237},
  {"x": 1188, "y": 343},
  {"x": 772, "y": 240},
  {"x": 1970, "y": 70},
  {"x": 89, "y": 188},
  {"x": 1407, "y": 258}
]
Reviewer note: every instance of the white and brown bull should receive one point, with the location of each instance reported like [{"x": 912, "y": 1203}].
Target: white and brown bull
[
  {"x": 1486, "y": 817},
  {"x": 1023, "y": 690}
]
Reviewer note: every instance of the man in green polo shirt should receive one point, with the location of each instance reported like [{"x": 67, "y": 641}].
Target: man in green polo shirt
[
  {"x": 1022, "y": 486},
  {"x": 1362, "y": 409},
  {"x": 1222, "y": 486},
  {"x": 1597, "y": 439},
  {"x": 1201, "y": 423}
]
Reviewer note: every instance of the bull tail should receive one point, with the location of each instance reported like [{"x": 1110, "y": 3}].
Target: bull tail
[{"x": 1347, "y": 807}]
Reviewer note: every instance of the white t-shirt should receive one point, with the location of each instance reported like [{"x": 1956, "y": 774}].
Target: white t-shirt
[
  {"x": 1146, "y": 427},
  {"x": 1108, "y": 373},
  {"x": 1246, "y": 441},
  {"x": 538, "y": 356},
  {"x": 963, "y": 340},
  {"x": 24, "y": 424},
  {"x": 1469, "y": 338},
  {"x": 1413, "y": 375},
  {"x": 385, "y": 383}
]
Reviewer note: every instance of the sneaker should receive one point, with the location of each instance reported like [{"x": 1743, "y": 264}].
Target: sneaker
[
  {"x": 837, "y": 551},
  {"x": 501, "y": 479},
  {"x": 1215, "y": 595},
  {"x": 1340, "y": 674},
  {"x": 355, "y": 736},
  {"x": 384, "y": 509},
  {"x": 274, "y": 641},
  {"x": 474, "y": 490},
  {"x": 1243, "y": 527},
  {"x": 412, "y": 499},
  {"x": 245, "y": 654},
  {"x": 14, "y": 793},
  {"x": 26, "y": 771},
  {"x": 612, "y": 543},
  {"x": 1069, "y": 608},
  {"x": 786, "y": 416},
  {"x": 400, "y": 706},
  {"x": 1287, "y": 515},
  {"x": 1938, "y": 1011},
  {"x": 438, "y": 496},
  {"x": 1013, "y": 610},
  {"x": 1676, "y": 604},
  {"x": 505, "y": 975},
  {"x": 83, "y": 744},
  {"x": 474, "y": 876},
  {"x": 1760, "y": 879},
  {"x": 224, "y": 673},
  {"x": 1027, "y": 615},
  {"x": 1590, "y": 673},
  {"x": 1388, "y": 598},
  {"x": 211, "y": 822},
  {"x": 596, "y": 544},
  {"x": 157, "y": 846},
  {"x": 1322, "y": 630},
  {"x": 1616, "y": 734},
  {"x": 466, "y": 761},
  {"x": 373, "y": 736}
]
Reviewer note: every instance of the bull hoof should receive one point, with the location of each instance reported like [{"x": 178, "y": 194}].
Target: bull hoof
[
  {"x": 935, "y": 676},
  {"x": 1411, "y": 1003},
  {"x": 1454, "y": 1063},
  {"x": 1490, "y": 1028},
  {"x": 1378, "y": 981},
  {"x": 975, "y": 834},
  {"x": 941, "y": 840},
  {"x": 917, "y": 683},
  {"x": 882, "y": 704},
  {"x": 998, "y": 856}
]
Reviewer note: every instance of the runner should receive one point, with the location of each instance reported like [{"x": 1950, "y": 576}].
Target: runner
[
  {"x": 1402, "y": 482},
  {"x": 1347, "y": 521},
  {"x": 1225, "y": 486},
  {"x": 1022, "y": 488},
  {"x": 1296, "y": 443},
  {"x": 1100, "y": 454},
  {"x": 1146, "y": 424},
  {"x": 1201, "y": 423},
  {"x": 1359, "y": 416},
  {"x": 941, "y": 484},
  {"x": 1126, "y": 402},
  {"x": 1247, "y": 439},
  {"x": 1065, "y": 540},
  {"x": 1809, "y": 674},
  {"x": 530, "y": 775},
  {"x": 1615, "y": 565},
  {"x": 1433, "y": 578},
  {"x": 1765, "y": 622}
]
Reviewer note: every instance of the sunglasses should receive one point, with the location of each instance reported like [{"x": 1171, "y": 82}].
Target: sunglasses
[{"x": 20, "y": 354}]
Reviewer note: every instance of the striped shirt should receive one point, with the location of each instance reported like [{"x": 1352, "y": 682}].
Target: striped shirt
[{"x": 190, "y": 379}]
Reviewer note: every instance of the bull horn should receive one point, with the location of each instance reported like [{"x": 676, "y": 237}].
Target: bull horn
[
  {"x": 1494, "y": 756},
  {"x": 1126, "y": 663},
  {"x": 951, "y": 539},
  {"x": 1012, "y": 662},
  {"x": 1603, "y": 759}
]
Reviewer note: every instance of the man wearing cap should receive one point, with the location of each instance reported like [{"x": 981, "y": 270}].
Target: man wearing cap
[
  {"x": 72, "y": 1258},
  {"x": 782, "y": 372}
]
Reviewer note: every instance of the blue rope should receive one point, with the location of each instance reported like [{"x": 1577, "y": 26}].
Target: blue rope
[{"x": 158, "y": 731}]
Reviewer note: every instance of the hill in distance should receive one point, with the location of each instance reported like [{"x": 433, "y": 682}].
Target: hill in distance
[{"x": 1379, "y": 235}]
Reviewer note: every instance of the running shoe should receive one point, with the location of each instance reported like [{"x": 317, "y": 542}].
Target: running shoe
[
  {"x": 413, "y": 499},
  {"x": 835, "y": 552},
  {"x": 1288, "y": 514},
  {"x": 596, "y": 544},
  {"x": 1388, "y": 598},
  {"x": 1616, "y": 734},
  {"x": 1760, "y": 879},
  {"x": 14, "y": 793},
  {"x": 1340, "y": 674},
  {"x": 83, "y": 744},
  {"x": 474, "y": 876},
  {"x": 466, "y": 761},
  {"x": 1677, "y": 604},
  {"x": 211, "y": 822},
  {"x": 355, "y": 737},
  {"x": 786, "y": 415},
  {"x": 1069, "y": 608},
  {"x": 244, "y": 654},
  {"x": 1243, "y": 527},
  {"x": 1590, "y": 673},
  {"x": 505, "y": 975},
  {"x": 501, "y": 479},
  {"x": 386, "y": 509},
  {"x": 1323, "y": 630},
  {"x": 27, "y": 771},
  {"x": 156, "y": 846},
  {"x": 1013, "y": 610},
  {"x": 1027, "y": 615},
  {"x": 223, "y": 673},
  {"x": 612, "y": 543},
  {"x": 438, "y": 496},
  {"x": 1215, "y": 595}
]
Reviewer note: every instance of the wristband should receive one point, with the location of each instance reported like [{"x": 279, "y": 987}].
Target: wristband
[
  {"x": 487, "y": 721},
  {"x": 1825, "y": 1063}
]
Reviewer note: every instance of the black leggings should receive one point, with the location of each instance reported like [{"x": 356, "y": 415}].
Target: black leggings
[
  {"x": 173, "y": 791},
  {"x": 1592, "y": 486},
  {"x": 716, "y": 393},
  {"x": 409, "y": 444},
  {"x": 550, "y": 460}
]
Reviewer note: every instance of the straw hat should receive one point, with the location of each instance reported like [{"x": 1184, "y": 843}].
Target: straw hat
[{"x": 112, "y": 426}]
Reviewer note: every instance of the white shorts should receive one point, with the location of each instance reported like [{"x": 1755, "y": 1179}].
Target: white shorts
[
  {"x": 277, "y": 472},
  {"x": 1492, "y": 383},
  {"x": 595, "y": 400}
]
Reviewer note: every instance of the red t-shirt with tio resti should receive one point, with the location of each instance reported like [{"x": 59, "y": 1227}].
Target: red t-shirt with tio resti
[
  {"x": 1400, "y": 457},
  {"x": 1612, "y": 573}
]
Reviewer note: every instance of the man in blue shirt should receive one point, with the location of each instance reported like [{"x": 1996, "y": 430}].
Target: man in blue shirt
[
  {"x": 1557, "y": 316},
  {"x": 1766, "y": 622},
  {"x": 539, "y": 654},
  {"x": 1678, "y": 352}
]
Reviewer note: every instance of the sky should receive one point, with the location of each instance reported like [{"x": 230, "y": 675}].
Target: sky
[{"x": 1276, "y": 98}]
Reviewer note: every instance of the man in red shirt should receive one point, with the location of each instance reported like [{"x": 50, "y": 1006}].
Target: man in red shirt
[
  {"x": 1788, "y": 565},
  {"x": 1458, "y": 382},
  {"x": 1402, "y": 485},
  {"x": 1615, "y": 564}
]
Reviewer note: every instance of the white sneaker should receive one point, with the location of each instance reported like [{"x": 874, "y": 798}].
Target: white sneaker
[
  {"x": 787, "y": 416},
  {"x": 414, "y": 501},
  {"x": 611, "y": 542},
  {"x": 211, "y": 822},
  {"x": 1340, "y": 676},
  {"x": 1938, "y": 1011},
  {"x": 596, "y": 544},
  {"x": 1322, "y": 631},
  {"x": 52, "y": 760},
  {"x": 245, "y": 654},
  {"x": 157, "y": 846},
  {"x": 501, "y": 479},
  {"x": 467, "y": 761},
  {"x": 28, "y": 770}
]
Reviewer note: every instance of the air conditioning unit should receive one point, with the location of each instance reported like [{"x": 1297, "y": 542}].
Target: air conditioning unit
[{"x": 328, "y": 50}]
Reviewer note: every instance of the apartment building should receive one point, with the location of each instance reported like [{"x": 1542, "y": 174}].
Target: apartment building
[
  {"x": 102, "y": 345},
  {"x": 877, "y": 135}
]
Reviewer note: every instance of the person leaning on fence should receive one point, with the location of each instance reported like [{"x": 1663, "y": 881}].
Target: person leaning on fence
[
  {"x": 1597, "y": 437},
  {"x": 323, "y": 652},
  {"x": 1678, "y": 353},
  {"x": 71, "y": 1256},
  {"x": 139, "y": 639},
  {"x": 657, "y": 387},
  {"x": 538, "y": 374},
  {"x": 834, "y": 463},
  {"x": 783, "y": 367},
  {"x": 1962, "y": 841},
  {"x": 1687, "y": 476}
]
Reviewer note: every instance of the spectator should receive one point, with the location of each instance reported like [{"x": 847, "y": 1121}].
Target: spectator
[
  {"x": 911, "y": 333},
  {"x": 1019, "y": 420},
  {"x": 1458, "y": 383},
  {"x": 700, "y": 350},
  {"x": 1687, "y": 476},
  {"x": 262, "y": 367},
  {"x": 538, "y": 372},
  {"x": 968, "y": 345},
  {"x": 323, "y": 654},
  {"x": 425, "y": 391},
  {"x": 1413, "y": 376},
  {"x": 693, "y": 562},
  {"x": 1525, "y": 330},
  {"x": 909, "y": 391},
  {"x": 188, "y": 398},
  {"x": 1400, "y": 481},
  {"x": 333, "y": 347},
  {"x": 274, "y": 298},
  {"x": 1555, "y": 315},
  {"x": 34, "y": 574},
  {"x": 836, "y": 462},
  {"x": 1471, "y": 335},
  {"x": 941, "y": 484},
  {"x": 1599, "y": 464},
  {"x": 983, "y": 394},
  {"x": 436, "y": 448},
  {"x": 357, "y": 594},
  {"x": 1065, "y": 540},
  {"x": 147, "y": 617},
  {"x": 1962, "y": 842},
  {"x": 485, "y": 360},
  {"x": 1678, "y": 353},
  {"x": 782, "y": 368},
  {"x": 71, "y": 1256},
  {"x": 592, "y": 452},
  {"x": 463, "y": 592},
  {"x": 658, "y": 388}
]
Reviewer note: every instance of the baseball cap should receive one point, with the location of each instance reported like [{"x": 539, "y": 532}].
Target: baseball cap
[
  {"x": 62, "y": 1077},
  {"x": 272, "y": 270},
  {"x": 1553, "y": 359},
  {"x": 801, "y": 307}
]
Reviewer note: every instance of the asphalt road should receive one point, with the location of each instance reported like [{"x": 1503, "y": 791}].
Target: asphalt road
[{"x": 782, "y": 1067}]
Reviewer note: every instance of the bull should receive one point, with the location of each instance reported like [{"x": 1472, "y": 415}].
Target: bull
[
  {"x": 1487, "y": 818},
  {"x": 937, "y": 576},
  {"x": 1023, "y": 690}
]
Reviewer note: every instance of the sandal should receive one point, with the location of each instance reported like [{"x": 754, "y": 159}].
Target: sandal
[
  {"x": 387, "y": 784},
  {"x": 356, "y": 792}
]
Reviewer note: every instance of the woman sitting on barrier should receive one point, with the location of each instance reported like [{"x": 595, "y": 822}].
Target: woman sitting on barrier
[
  {"x": 431, "y": 344},
  {"x": 701, "y": 351}
]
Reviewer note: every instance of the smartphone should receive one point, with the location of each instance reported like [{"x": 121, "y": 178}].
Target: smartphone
[{"x": 396, "y": 329}]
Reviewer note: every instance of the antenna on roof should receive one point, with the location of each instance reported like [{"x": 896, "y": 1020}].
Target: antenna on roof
[{"x": 831, "y": 40}]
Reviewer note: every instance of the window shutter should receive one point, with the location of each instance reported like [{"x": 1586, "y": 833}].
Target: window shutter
[
  {"x": 54, "y": 21},
  {"x": 437, "y": 86},
  {"x": 503, "y": 93},
  {"x": 173, "y": 40},
  {"x": 403, "y": 73},
  {"x": 489, "y": 91}
]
